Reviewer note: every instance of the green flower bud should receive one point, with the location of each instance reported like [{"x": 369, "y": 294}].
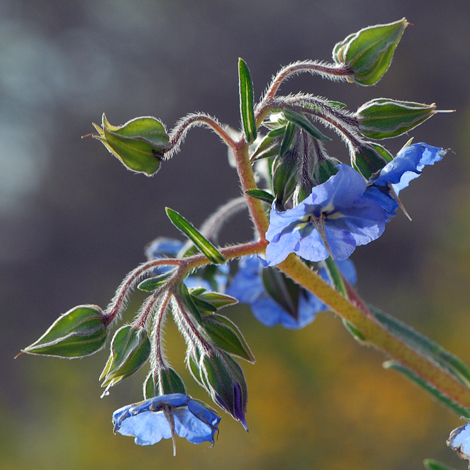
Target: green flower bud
[
  {"x": 224, "y": 380},
  {"x": 139, "y": 143},
  {"x": 77, "y": 333},
  {"x": 368, "y": 53},
  {"x": 383, "y": 118},
  {"x": 130, "y": 350}
]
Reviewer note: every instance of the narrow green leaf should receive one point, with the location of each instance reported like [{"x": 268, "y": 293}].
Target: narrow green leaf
[
  {"x": 204, "y": 245},
  {"x": 446, "y": 401},
  {"x": 246, "y": 101},
  {"x": 153, "y": 283},
  {"x": 261, "y": 195},
  {"x": 431, "y": 464},
  {"x": 452, "y": 364},
  {"x": 202, "y": 304},
  {"x": 301, "y": 121}
]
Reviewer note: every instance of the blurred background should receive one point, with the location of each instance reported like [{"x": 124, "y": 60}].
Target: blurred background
[{"x": 73, "y": 222}]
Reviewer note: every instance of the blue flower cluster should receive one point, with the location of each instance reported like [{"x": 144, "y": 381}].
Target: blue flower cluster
[
  {"x": 161, "y": 417},
  {"x": 346, "y": 211}
]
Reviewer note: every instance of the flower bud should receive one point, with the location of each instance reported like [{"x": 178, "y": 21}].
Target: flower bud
[
  {"x": 224, "y": 380},
  {"x": 139, "y": 143},
  {"x": 368, "y": 53},
  {"x": 79, "y": 332},
  {"x": 130, "y": 349},
  {"x": 384, "y": 118}
]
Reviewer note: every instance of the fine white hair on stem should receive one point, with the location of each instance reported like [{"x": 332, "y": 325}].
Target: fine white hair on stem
[
  {"x": 178, "y": 133},
  {"x": 119, "y": 302}
]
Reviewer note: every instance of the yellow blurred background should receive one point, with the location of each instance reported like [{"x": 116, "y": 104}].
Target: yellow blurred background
[{"x": 73, "y": 222}]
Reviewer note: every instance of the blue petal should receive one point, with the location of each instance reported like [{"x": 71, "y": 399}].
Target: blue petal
[
  {"x": 407, "y": 165},
  {"x": 247, "y": 285},
  {"x": 147, "y": 422}
]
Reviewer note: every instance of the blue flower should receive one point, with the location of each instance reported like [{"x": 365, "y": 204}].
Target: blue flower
[
  {"x": 334, "y": 219},
  {"x": 397, "y": 174},
  {"x": 161, "y": 417},
  {"x": 247, "y": 286},
  {"x": 212, "y": 278}
]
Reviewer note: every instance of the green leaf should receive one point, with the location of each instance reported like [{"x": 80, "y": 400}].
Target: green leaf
[
  {"x": 226, "y": 336},
  {"x": 246, "y": 101},
  {"x": 261, "y": 195},
  {"x": 130, "y": 350},
  {"x": 217, "y": 299},
  {"x": 367, "y": 159},
  {"x": 437, "y": 394},
  {"x": 204, "y": 245},
  {"x": 431, "y": 464},
  {"x": 166, "y": 381},
  {"x": 153, "y": 283},
  {"x": 79, "y": 332},
  {"x": 202, "y": 305},
  {"x": 301, "y": 121},
  {"x": 139, "y": 143},
  {"x": 270, "y": 145},
  {"x": 283, "y": 290},
  {"x": 420, "y": 343},
  {"x": 384, "y": 118}
]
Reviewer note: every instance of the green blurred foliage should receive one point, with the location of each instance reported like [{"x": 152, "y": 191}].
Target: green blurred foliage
[{"x": 69, "y": 228}]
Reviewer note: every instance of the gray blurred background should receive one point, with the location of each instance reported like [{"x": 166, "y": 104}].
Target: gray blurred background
[{"x": 73, "y": 222}]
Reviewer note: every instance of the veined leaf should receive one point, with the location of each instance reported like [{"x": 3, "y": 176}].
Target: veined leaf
[{"x": 246, "y": 101}]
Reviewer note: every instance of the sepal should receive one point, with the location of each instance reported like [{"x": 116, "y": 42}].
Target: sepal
[
  {"x": 139, "y": 143},
  {"x": 163, "y": 382},
  {"x": 77, "y": 333},
  {"x": 224, "y": 334},
  {"x": 130, "y": 350}
]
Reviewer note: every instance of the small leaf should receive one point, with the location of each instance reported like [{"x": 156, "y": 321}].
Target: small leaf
[
  {"x": 246, "y": 101},
  {"x": 270, "y": 145},
  {"x": 226, "y": 335},
  {"x": 437, "y": 394},
  {"x": 301, "y": 121},
  {"x": 202, "y": 304},
  {"x": 261, "y": 195},
  {"x": 153, "y": 283},
  {"x": 204, "y": 245}
]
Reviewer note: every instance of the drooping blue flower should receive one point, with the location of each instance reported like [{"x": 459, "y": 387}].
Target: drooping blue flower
[
  {"x": 247, "y": 286},
  {"x": 397, "y": 174},
  {"x": 211, "y": 278},
  {"x": 334, "y": 219},
  {"x": 160, "y": 417}
]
